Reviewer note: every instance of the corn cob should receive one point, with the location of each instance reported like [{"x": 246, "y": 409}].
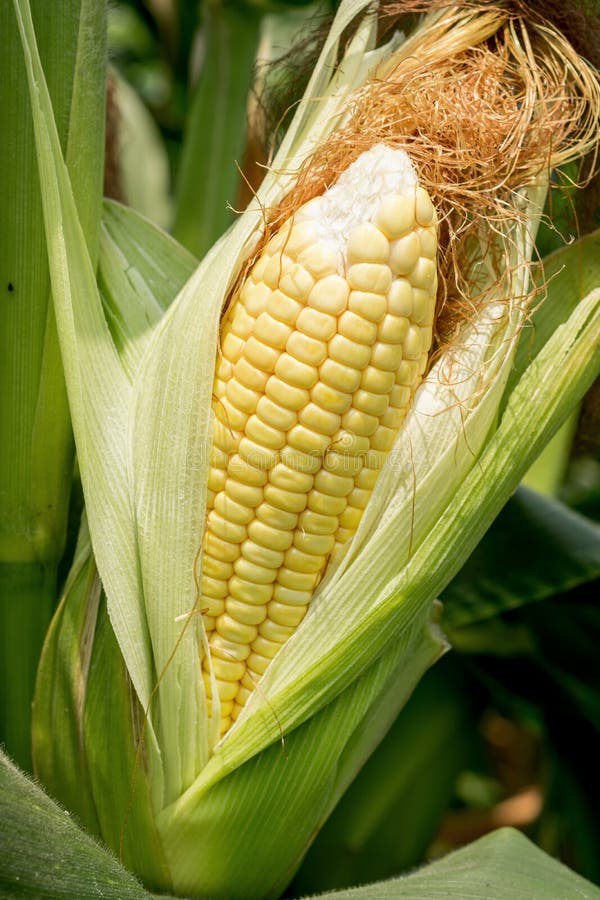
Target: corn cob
[{"x": 320, "y": 354}]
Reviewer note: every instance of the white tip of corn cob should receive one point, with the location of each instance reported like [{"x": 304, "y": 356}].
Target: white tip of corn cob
[{"x": 356, "y": 196}]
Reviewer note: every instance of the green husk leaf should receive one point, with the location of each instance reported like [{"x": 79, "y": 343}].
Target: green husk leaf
[
  {"x": 569, "y": 274},
  {"x": 59, "y": 701},
  {"x": 140, "y": 268},
  {"x": 313, "y": 764}
]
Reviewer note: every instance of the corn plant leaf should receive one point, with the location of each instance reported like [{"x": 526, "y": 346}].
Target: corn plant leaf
[
  {"x": 141, "y": 269},
  {"x": 144, "y": 170},
  {"x": 503, "y": 865},
  {"x": 58, "y": 709},
  {"x": 36, "y": 452},
  {"x": 215, "y": 131},
  {"x": 43, "y": 852},
  {"x": 97, "y": 382},
  {"x": 537, "y": 547}
]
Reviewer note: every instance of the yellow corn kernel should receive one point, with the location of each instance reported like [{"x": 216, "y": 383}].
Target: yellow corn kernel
[
  {"x": 283, "y": 308},
  {"x": 236, "y": 632},
  {"x": 271, "y": 331},
  {"x": 376, "y": 380},
  {"x": 216, "y": 568},
  {"x": 225, "y": 529},
  {"x": 330, "y": 295},
  {"x": 372, "y": 404},
  {"x": 291, "y": 501},
  {"x": 383, "y": 439},
  {"x": 257, "y": 663},
  {"x": 318, "y": 544},
  {"x": 395, "y": 216},
  {"x": 247, "y": 613},
  {"x": 261, "y": 555},
  {"x": 317, "y": 523},
  {"x": 339, "y": 376},
  {"x": 249, "y": 591},
  {"x": 291, "y": 597},
  {"x": 224, "y": 649},
  {"x": 400, "y": 298},
  {"x": 319, "y": 420},
  {"x": 425, "y": 211},
  {"x": 213, "y": 587},
  {"x": 289, "y": 479},
  {"x": 257, "y": 455},
  {"x": 282, "y": 614},
  {"x": 296, "y": 282},
  {"x": 308, "y": 441},
  {"x": 286, "y": 395},
  {"x": 370, "y": 277},
  {"x": 275, "y": 632},
  {"x": 299, "y": 581},
  {"x": 268, "y": 536},
  {"x": 306, "y": 349},
  {"x": 367, "y": 243},
  {"x": 276, "y": 518},
  {"x": 359, "y": 423},
  {"x": 264, "y": 647},
  {"x": 334, "y": 485},
  {"x": 371, "y": 307},
  {"x": 320, "y": 260},
  {"x": 356, "y": 328},
  {"x": 404, "y": 253},
  {"x": 261, "y": 355},
  {"x": 349, "y": 352},
  {"x": 295, "y": 372},
  {"x": 243, "y": 471},
  {"x": 393, "y": 329},
  {"x": 249, "y": 571},
  {"x": 316, "y": 324},
  {"x": 265, "y": 434},
  {"x": 343, "y": 463},
  {"x": 300, "y": 461}
]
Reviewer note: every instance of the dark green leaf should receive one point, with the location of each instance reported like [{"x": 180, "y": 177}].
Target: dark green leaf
[
  {"x": 537, "y": 547},
  {"x": 43, "y": 853},
  {"x": 504, "y": 865},
  {"x": 215, "y": 132}
]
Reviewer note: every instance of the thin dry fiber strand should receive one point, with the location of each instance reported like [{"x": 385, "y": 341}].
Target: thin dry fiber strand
[{"x": 485, "y": 102}]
